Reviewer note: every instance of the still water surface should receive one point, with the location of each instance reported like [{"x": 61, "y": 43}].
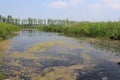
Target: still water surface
[{"x": 36, "y": 55}]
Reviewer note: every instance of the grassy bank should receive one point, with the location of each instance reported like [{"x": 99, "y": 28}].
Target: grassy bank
[
  {"x": 88, "y": 29},
  {"x": 6, "y": 30}
]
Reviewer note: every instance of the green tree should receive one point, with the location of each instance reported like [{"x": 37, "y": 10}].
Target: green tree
[
  {"x": 9, "y": 19},
  {"x": 30, "y": 21}
]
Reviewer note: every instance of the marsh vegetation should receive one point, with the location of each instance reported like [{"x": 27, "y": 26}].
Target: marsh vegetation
[
  {"x": 109, "y": 30},
  {"x": 6, "y": 30}
]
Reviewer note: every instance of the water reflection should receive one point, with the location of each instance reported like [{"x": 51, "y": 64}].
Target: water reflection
[
  {"x": 29, "y": 32},
  {"x": 35, "y": 33},
  {"x": 29, "y": 37}
]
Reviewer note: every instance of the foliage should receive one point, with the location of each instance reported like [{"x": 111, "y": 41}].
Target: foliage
[
  {"x": 1, "y": 76},
  {"x": 7, "y": 29},
  {"x": 88, "y": 29}
]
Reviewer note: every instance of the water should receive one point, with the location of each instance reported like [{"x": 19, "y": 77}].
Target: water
[{"x": 35, "y": 55}]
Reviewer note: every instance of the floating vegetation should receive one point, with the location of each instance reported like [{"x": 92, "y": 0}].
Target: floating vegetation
[
  {"x": 38, "y": 59},
  {"x": 40, "y": 47},
  {"x": 60, "y": 73}
]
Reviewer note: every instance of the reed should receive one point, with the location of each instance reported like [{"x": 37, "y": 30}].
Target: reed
[
  {"x": 88, "y": 29},
  {"x": 6, "y": 30}
]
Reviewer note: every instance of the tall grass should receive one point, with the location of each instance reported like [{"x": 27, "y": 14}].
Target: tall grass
[
  {"x": 1, "y": 76},
  {"x": 6, "y": 30},
  {"x": 88, "y": 29}
]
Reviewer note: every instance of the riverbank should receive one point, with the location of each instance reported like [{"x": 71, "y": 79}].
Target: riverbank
[
  {"x": 6, "y": 30},
  {"x": 108, "y": 30}
]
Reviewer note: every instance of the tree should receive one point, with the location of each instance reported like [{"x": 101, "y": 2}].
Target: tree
[
  {"x": 0, "y": 18},
  {"x": 41, "y": 21},
  {"x": 30, "y": 21},
  {"x": 9, "y": 19},
  {"x": 23, "y": 22},
  {"x": 44, "y": 22}
]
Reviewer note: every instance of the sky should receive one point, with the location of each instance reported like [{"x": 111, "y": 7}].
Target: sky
[{"x": 79, "y": 10}]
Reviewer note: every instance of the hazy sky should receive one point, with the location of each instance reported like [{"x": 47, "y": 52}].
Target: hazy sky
[{"x": 82, "y": 10}]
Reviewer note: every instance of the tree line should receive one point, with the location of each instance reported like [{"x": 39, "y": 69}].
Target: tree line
[{"x": 34, "y": 21}]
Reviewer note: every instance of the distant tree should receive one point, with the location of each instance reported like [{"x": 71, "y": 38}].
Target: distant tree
[
  {"x": 0, "y": 18},
  {"x": 30, "y": 21},
  {"x": 40, "y": 22},
  {"x": 26, "y": 22},
  {"x": 4, "y": 19},
  {"x": 19, "y": 21},
  {"x": 44, "y": 22},
  {"x": 23, "y": 22},
  {"x": 9, "y": 19},
  {"x": 34, "y": 21},
  {"x": 66, "y": 22},
  {"x": 16, "y": 21},
  {"x": 48, "y": 22}
]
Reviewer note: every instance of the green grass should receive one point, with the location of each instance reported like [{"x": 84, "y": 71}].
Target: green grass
[
  {"x": 1, "y": 76},
  {"x": 6, "y": 30},
  {"x": 88, "y": 29}
]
